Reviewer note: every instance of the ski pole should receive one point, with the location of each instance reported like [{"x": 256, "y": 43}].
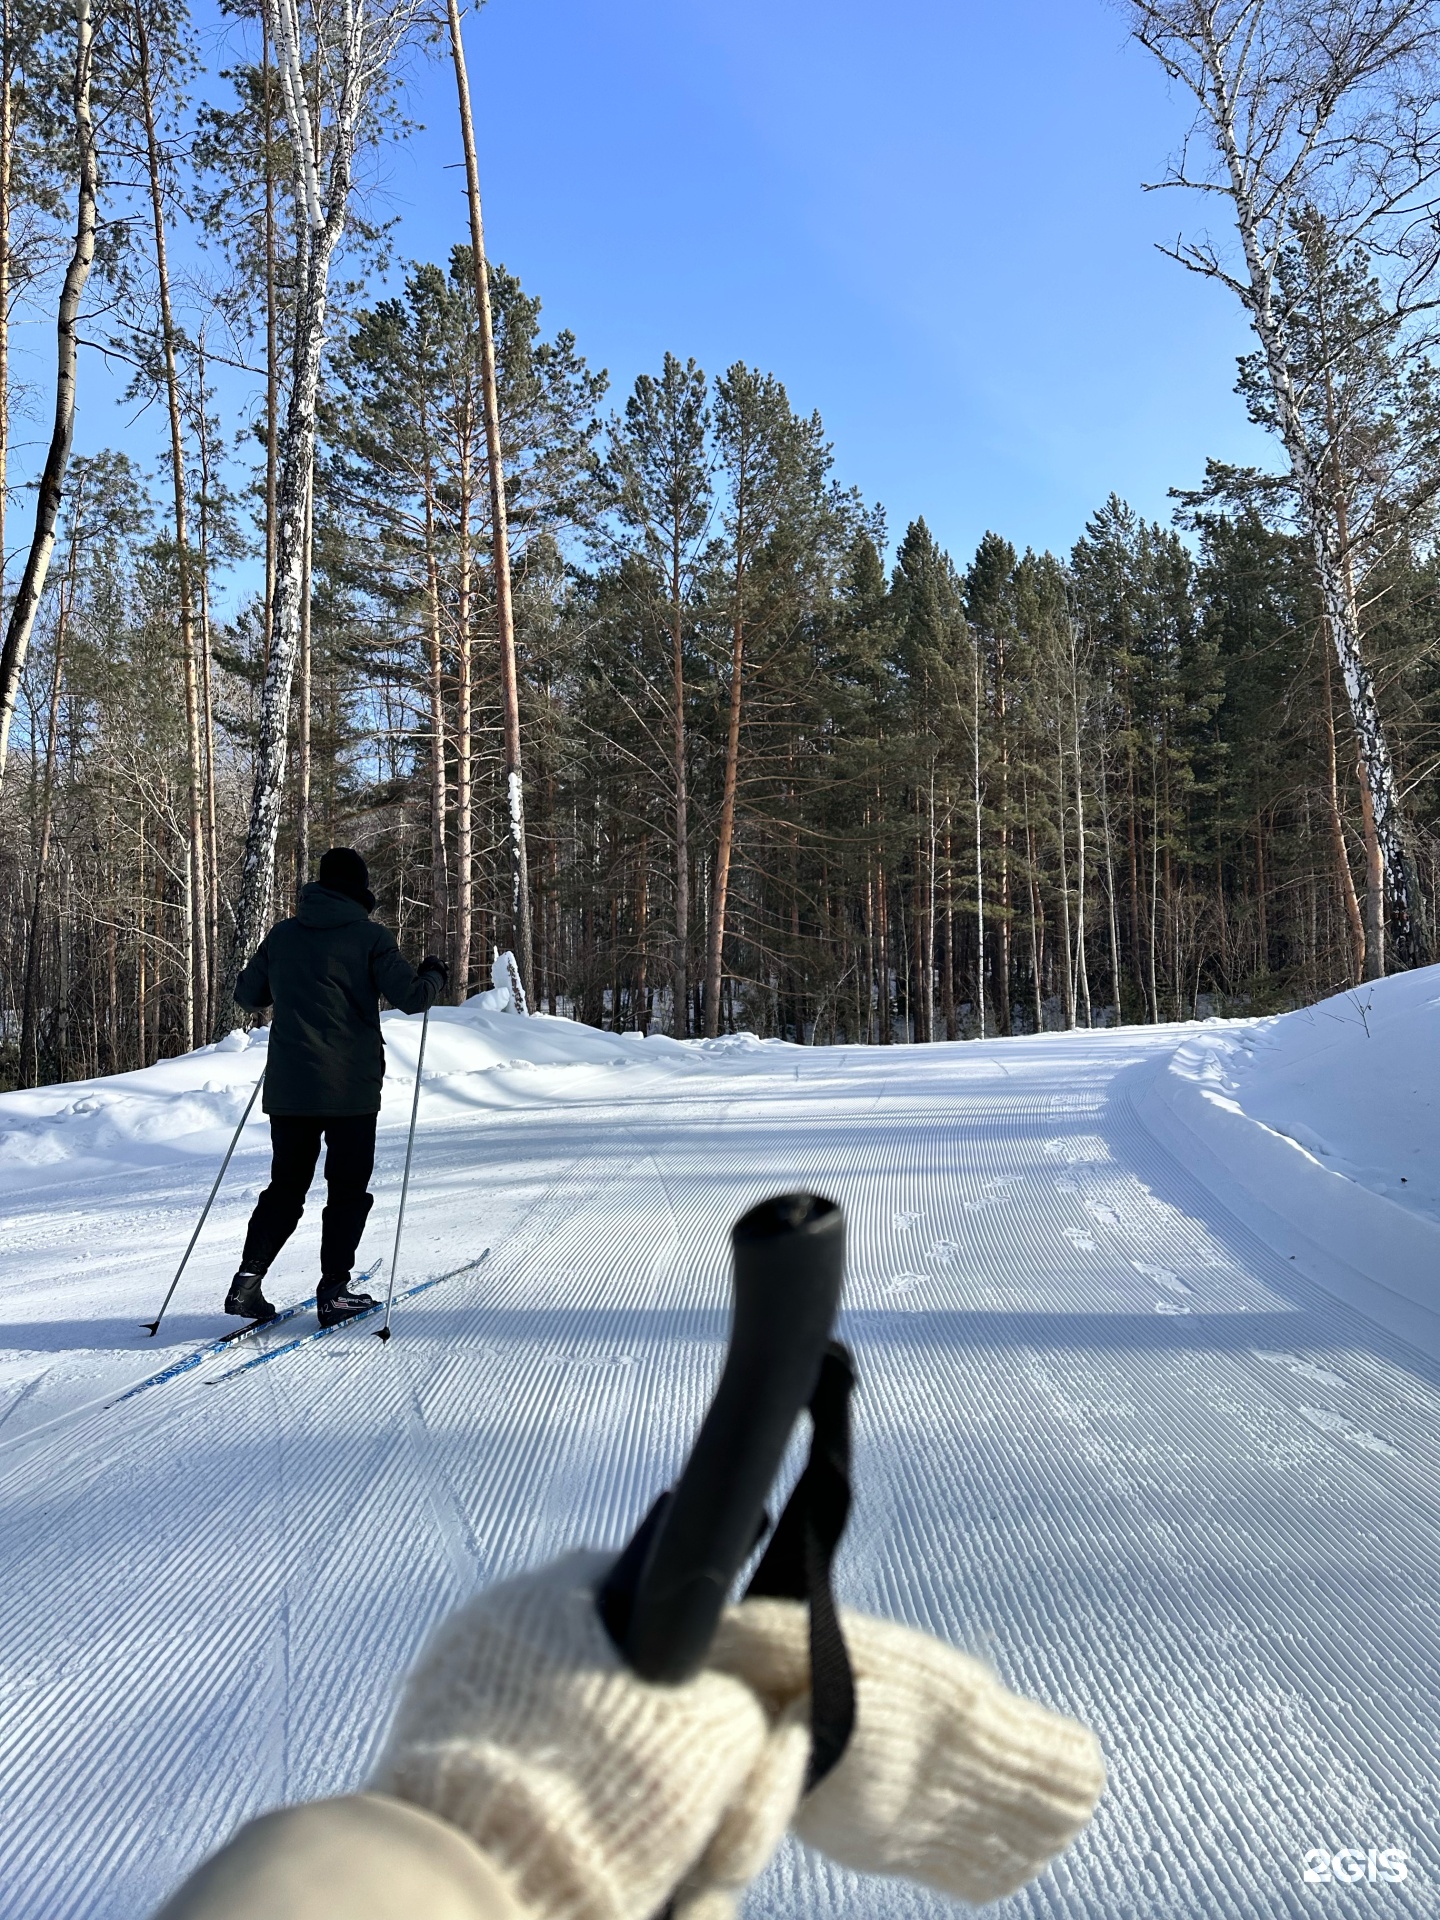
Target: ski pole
[
  {"x": 383, "y": 1333},
  {"x": 152, "y": 1327},
  {"x": 663, "y": 1597}
]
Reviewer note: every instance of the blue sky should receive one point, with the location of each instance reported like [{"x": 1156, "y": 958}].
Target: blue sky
[{"x": 927, "y": 218}]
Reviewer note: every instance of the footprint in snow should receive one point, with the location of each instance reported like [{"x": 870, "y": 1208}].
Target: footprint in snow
[
  {"x": 1082, "y": 1241},
  {"x": 902, "y": 1222},
  {"x": 1172, "y": 1306},
  {"x": 1304, "y": 1369},
  {"x": 1103, "y": 1215},
  {"x": 994, "y": 1194},
  {"x": 1340, "y": 1428},
  {"x": 1162, "y": 1276},
  {"x": 590, "y": 1362},
  {"x": 947, "y": 1252}
]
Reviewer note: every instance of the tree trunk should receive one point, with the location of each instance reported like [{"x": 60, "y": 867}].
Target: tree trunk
[
  {"x": 715, "y": 955},
  {"x": 29, "y": 1013},
  {"x": 302, "y": 770},
  {"x": 1082, "y": 973},
  {"x": 680, "y": 963},
  {"x": 464, "y": 738},
  {"x": 57, "y": 459},
  {"x": 272, "y": 344},
  {"x": 1035, "y": 982},
  {"x": 141, "y": 948},
  {"x": 1374, "y": 949},
  {"x": 642, "y": 922},
  {"x": 439, "y": 877},
  {"x": 869, "y": 945},
  {"x": 1330, "y": 553},
  {"x": 979, "y": 859},
  {"x": 322, "y": 231},
  {"x": 929, "y": 942},
  {"x": 1067, "y": 977},
  {"x": 1343, "y": 876},
  {"x": 1110, "y": 892},
  {"x": 1001, "y": 969},
  {"x": 257, "y": 877},
  {"x": 509, "y": 682},
  {"x": 882, "y": 923},
  {"x": 197, "y": 962},
  {"x": 7, "y": 161},
  {"x": 947, "y": 949},
  {"x": 212, "y": 838}
]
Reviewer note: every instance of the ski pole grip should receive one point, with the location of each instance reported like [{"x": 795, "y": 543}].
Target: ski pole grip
[{"x": 662, "y": 1599}]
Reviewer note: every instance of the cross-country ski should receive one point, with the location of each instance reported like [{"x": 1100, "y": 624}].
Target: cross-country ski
[
  {"x": 337, "y": 1326},
  {"x": 222, "y": 1343}
]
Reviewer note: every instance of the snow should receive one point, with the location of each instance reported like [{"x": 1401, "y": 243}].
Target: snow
[
  {"x": 178, "y": 1108},
  {"x": 1326, "y": 1121},
  {"x": 1147, "y": 1416}
]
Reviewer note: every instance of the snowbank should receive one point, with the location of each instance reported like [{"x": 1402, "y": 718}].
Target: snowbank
[
  {"x": 478, "y": 1057},
  {"x": 1327, "y": 1120}
]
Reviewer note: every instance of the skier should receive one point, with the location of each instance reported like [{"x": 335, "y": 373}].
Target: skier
[{"x": 324, "y": 971}]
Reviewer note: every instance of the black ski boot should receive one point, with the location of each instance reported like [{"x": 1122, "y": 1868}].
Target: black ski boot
[
  {"x": 335, "y": 1302},
  {"x": 245, "y": 1298}
]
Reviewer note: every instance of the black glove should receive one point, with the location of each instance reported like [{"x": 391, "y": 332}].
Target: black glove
[{"x": 432, "y": 963}]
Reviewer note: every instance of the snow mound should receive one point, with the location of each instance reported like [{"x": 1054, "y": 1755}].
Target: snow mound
[
  {"x": 478, "y": 1057},
  {"x": 1328, "y": 1119}
]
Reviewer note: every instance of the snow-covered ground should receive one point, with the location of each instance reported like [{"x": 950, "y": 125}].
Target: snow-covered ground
[{"x": 1147, "y": 1416}]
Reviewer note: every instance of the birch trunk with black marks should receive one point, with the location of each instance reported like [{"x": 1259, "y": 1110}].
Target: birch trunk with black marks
[
  {"x": 359, "y": 49},
  {"x": 1343, "y": 877},
  {"x": 272, "y": 340},
  {"x": 57, "y": 459},
  {"x": 257, "y": 873},
  {"x": 302, "y": 740},
  {"x": 1276, "y": 130}
]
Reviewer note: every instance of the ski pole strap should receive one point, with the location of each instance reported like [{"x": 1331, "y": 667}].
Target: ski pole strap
[{"x": 797, "y": 1564}]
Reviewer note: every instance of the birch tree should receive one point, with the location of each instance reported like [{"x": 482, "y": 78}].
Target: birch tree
[
  {"x": 1308, "y": 112},
  {"x": 349, "y": 59},
  {"x": 52, "y": 478}
]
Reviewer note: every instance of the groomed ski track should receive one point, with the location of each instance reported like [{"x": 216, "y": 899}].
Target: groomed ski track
[{"x": 1106, "y": 1438}]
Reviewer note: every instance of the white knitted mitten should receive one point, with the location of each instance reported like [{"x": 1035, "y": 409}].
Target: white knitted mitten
[
  {"x": 949, "y": 1778},
  {"x": 598, "y": 1795}
]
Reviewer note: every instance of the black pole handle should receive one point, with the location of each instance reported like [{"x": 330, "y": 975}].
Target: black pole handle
[{"x": 663, "y": 1597}]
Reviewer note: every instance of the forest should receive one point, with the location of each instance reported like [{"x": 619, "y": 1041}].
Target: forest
[{"x": 626, "y": 682}]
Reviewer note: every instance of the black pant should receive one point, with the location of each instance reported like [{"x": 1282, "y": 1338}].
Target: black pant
[{"x": 349, "y": 1162}]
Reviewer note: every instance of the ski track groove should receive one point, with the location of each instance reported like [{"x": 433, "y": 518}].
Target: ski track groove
[{"x": 1129, "y": 1513}]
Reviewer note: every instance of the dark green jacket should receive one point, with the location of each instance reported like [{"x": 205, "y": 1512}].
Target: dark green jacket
[{"x": 324, "y": 972}]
